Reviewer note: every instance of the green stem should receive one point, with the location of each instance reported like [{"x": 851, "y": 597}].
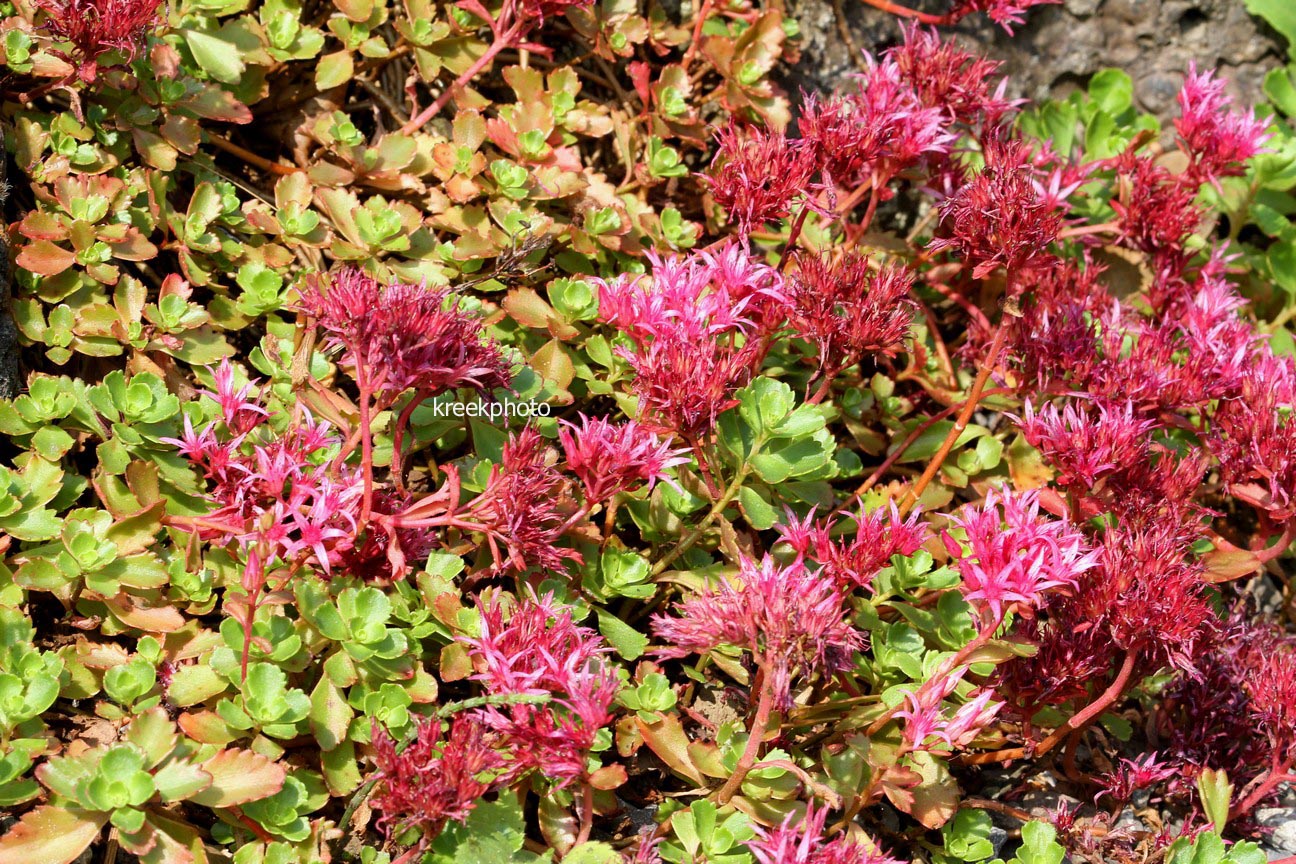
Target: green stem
[{"x": 725, "y": 499}]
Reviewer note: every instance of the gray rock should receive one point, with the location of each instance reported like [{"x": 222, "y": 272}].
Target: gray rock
[
  {"x": 1060, "y": 47},
  {"x": 1281, "y": 822},
  {"x": 998, "y": 837}
]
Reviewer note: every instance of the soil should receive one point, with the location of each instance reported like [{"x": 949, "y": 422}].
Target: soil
[{"x": 1060, "y": 47}]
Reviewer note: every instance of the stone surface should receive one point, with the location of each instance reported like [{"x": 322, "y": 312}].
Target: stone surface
[
  {"x": 1280, "y": 825},
  {"x": 1060, "y": 47}
]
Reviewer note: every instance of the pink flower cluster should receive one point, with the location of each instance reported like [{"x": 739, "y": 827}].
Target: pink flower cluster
[
  {"x": 802, "y": 841},
  {"x": 610, "y": 458},
  {"x": 540, "y": 650},
  {"x": 757, "y": 174},
  {"x": 1001, "y": 219},
  {"x": 1218, "y": 141},
  {"x": 97, "y": 28},
  {"x": 847, "y": 308},
  {"x": 1011, "y": 555},
  {"x": 1254, "y": 436},
  {"x": 280, "y": 488},
  {"x": 395, "y": 338},
  {"x": 433, "y": 781},
  {"x": 875, "y": 132},
  {"x": 519, "y": 508},
  {"x": 1135, "y": 774},
  {"x": 903, "y": 114},
  {"x": 1086, "y": 440},
  {"x": 947, "y": 78},
  {"x": 853, "y": 561},
  {"x": 791, "y": 619},
  {"x": 694, "y": 329},
  {"x": 925, "y": 719},
  {"x": 1238, "y": 713}
]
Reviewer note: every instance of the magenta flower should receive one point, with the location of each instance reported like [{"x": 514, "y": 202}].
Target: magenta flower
[
  {"x": 541, "y": 650},
  {"x": 97, "y": 28},
  {"x": 876, "y": 131},
  {"x": 922, "y": 714},
  {"x": 1148, "y": 596},
  {"x": 1218, "y": 140},
  {"x": 692, "y": 327},
  {"x": 1006, "y": 13},
  {"x": 1086, "y": 440},
  {"x": 683, "y": 385},
  {"x": 519, "y": 508},
  {"x": 1156, "y": 211},
  {"x": 999, "y": 219},
  {"x": 802, "y": 841},
  {"x": 1135, "y": 774},
  {"x": 538, "y": 649},
  {"x": 852, "y": 561},
  {"x": 434, "y": 781},
  {"x": 925, "y": 719},
  {"x": 1254, "y": 436},
  {"x": 757, "y": 174},
  {"x": 1012, "y": 555},
  {"x": 645, "y": 851},
  {"x": 240, "y": 413},
  {"x": 848, "y": 309},
  {"x": 610, "y": 458},
  {"x": 556, "y": 739},
  {"x": 951, "y": 80},
  {"x": 400, "y": 337},
  {"x": 702, "y": 295},
  {"x": 274, "y": 487},
  {"x": 791, "y": 619}
]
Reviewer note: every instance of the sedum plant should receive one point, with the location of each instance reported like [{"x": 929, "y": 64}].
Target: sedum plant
[{"x": 497, "y": 432}]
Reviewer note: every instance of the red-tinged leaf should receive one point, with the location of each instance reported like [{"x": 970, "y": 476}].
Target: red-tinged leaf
[
  {"x": 1225, "y": 565},
  {"x": 558, "y": 824},
  {"x": 205, "y": 727},
  {"x": 42, "y": 226},
  {"x": 45, "y": 259},
  {"x": 177, "y": 843},
  {"x": 608, "y": 777},
  {"x": 456, "y": 665},
  {"x": 135, "y": 612},
  {"x": 213, "y": 103},
  {"x": 239, "y": 776},
  {"x": 666, "y": 738},
  {"x": 134, "y": 248},
  {"x": 936, "y": 797},
  {"x": 50, "y": 835},
  {"x": 529, "y": 309},
  {"x": 706, "y": 756}
]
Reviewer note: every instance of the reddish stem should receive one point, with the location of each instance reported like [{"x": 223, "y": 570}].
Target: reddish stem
[
  {"x": 793, "y": 235},
  {"x": 1258, "y": 794},
  {"x": 502, "y": 41},
  {"x": 764, "y": 708},
  {"x": 905, "y": 445},
  {"x": 251, "y": 158},
  {"x": 366, "y": 446},
  {"x": 1082, "y": 230},
  {"x": 398, "y": 438},
  {"x": 960, "y": 423},
  {"x": 1076, "y": 724},
  {"x": 906, "y": 12},
  {"x": 703, "y": 13},
  {"x": 586, "y": 813}
]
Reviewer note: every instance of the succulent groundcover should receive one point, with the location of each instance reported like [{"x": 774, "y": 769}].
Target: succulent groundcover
[{"x": 530, "y": 431}]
